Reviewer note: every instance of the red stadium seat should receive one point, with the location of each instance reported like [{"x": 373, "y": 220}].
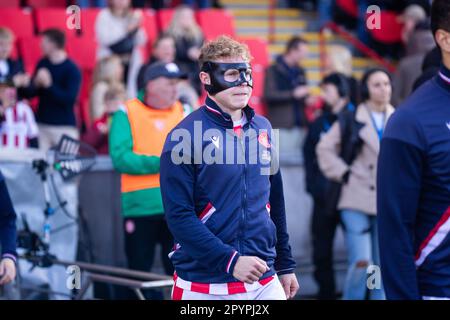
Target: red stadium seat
[
  {"x": 348, "y": 6},
  {"x": 149, "y": 24},
  {"x": 258, "y": 49},
  {"x": 391, "y": 29},
  {"x": 257, "y": 104},
  {"x": 53, "y": 18},
  {"x": 10, "y": 4},
  {"x": 30, "y": 51},
  {"x": 163, "y": 18},
  {"x": 88, "y": 17},
  {"x": 215, "y": 22},
  {"x": 47, "y": 3},
  {"x": 82, "y": 50},
  {"x": 18, "y": 20}
]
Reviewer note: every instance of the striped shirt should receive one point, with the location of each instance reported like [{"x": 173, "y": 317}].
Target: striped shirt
[{"x": 18, "y": 127}]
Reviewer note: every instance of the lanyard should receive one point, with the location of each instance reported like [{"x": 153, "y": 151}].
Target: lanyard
[{"x": 381, "y": 129}]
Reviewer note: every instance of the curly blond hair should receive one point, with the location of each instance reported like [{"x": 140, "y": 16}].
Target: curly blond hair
[{"x": 223, "y": 47}]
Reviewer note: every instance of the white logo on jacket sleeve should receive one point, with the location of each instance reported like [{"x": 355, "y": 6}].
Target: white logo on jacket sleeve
[
  {"x": 216, "y": 141},
  {"x": 448, "y": 125}
]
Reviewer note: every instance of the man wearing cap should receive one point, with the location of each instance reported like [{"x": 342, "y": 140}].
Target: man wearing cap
[
  {"x": 136, "y": 138},
  {"x": 18, "y": 128}
]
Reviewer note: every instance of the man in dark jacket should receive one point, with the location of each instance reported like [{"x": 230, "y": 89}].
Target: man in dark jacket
[
  {"x": 285, "y": 87},
  {"x": 7, "y": 236},
  {"x": 335, "y": 93}
]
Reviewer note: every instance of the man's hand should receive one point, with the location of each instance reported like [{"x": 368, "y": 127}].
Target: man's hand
[
  {"x": 7, "y": 271},
  {"x": 249, "y": 269},
  {"x": 300, "y": 92},
  {"x": 290, "y": 284},
  {"x": 43, "y": 78}
]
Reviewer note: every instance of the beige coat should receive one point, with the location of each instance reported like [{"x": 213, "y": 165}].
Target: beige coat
[{"x": 359, "y": 193}]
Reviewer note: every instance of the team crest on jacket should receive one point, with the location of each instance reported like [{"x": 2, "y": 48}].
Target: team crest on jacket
[{"x": 263, "y": 138}]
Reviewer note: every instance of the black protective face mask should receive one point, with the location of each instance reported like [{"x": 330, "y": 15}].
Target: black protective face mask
[{"x": 227, "y": 75}]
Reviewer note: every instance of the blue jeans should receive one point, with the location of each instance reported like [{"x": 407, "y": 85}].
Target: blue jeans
[{"x": 362, "y": 245}]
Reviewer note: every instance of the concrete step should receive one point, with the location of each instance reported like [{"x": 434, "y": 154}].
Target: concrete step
[
  {"x": 283, "y": 36},
  {"x": 264, "y": 13},
  {"x": 279, "y": 24}
]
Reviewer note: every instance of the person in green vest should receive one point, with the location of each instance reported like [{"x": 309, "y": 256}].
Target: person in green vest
[{"x": 138, "y": 131}]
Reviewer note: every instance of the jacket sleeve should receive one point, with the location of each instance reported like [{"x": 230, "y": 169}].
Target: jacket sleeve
[
  {"x": 397, "y": 201},
  {"x": 284, "y": 262},
  {"x": 177, "y": 190},
  {"x": 7, "y": 223},
  {"x": 124, "y": 159},
  {"x": 328, "y": 148}
]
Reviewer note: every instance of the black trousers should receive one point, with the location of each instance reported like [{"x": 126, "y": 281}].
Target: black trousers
[
  {"x": 323, "y": 230},
  {"x": 142, "y": 234}
]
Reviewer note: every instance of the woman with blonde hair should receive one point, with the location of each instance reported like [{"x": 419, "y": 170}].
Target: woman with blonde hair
[
  {"x": 118, "y": 31},
  {"x": 188, "y": 40},
  {"x": 108, "y": 72},
  {"x": 339, "y": 59}
]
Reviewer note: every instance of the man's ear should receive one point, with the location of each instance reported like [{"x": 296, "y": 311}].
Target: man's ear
[
  {"x": 205, "y": 78},
  {"x": 443, "y": 40}
]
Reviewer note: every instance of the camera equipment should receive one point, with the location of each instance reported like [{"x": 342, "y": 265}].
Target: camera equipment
[{"x": 70, "y": 158}]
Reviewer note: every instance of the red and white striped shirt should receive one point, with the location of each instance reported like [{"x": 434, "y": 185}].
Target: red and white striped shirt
[{"x": 18, "y": 127}]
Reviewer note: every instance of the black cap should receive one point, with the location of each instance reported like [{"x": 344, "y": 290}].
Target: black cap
[{"x": 162, "y": 69}]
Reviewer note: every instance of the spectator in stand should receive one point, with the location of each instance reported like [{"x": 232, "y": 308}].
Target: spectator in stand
[
  {"x": 411, "y": 17},
  {"x": 97, "y": 135},
  {"x": 108, "y": 71},
  {"x": 18, "y": 129},
  {"x": 188, "y": 40},
  {"x": 285, "y": 92},
  {"x": 56, "y": 82},
  {"x": 339, "y": 59},
  {"x": 9, "y": 68},
  {"x": 348, "y": 154},
  {"x": 118, "y": 31},
  {"x": 163, "y": 50},
  {"x": 409, "y": 67}
]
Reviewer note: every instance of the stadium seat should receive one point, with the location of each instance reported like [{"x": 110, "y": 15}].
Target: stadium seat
[
  {"x": 18, "y": 20},
  {"x": 258, "y": 49},
  {"x": 163, "y": 18},
  {"x": 150, "y": 25},
  {"x": 82, "y": 50},
  {"x": 257, "y": 104},
  {"x": 47, "y": 3},
  {"x": 88, "y": 17},
  {"x": 215, "y": 22},
  {"x": 391, "y": 28},
  {"x": 10, "y": 4},
  {"x": 53, "y": 18},
  {"x": 30, "y": 52},
  {"x": 350, "y": 7}
]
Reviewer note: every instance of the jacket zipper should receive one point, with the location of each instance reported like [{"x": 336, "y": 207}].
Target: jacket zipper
[{"x": 244, "y": 197}]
